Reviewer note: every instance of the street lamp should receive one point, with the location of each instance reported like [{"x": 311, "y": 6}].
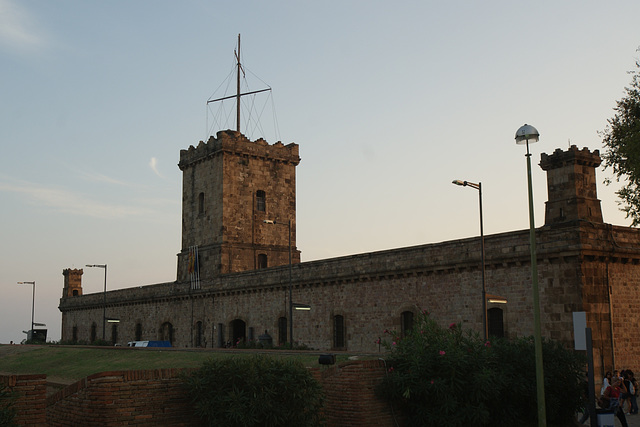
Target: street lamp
[
  {"x": 478, "y": 187},
  {"x": 33, "y": 305},
  {"x": 104, "y": 303},
  {"x": 524, "y": 135},
  {"x": 268, "y": 221}
]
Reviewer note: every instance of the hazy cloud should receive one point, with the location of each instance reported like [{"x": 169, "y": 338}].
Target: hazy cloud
[
  {"x": 18, "y": 29},
  {"x": 98, "y": 177},
  {"x": 153, "y": 164},
  {"x": 65, "y": 201}
]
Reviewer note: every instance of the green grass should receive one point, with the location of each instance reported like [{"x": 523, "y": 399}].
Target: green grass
[{"x": 75, "y": 363}]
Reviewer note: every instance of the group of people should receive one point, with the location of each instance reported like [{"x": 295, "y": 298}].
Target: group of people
[
  {"x": 625, "y": 387},
  {"x": 618, "y": 394}
]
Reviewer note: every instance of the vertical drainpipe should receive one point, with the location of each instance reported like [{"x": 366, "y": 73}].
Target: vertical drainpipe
[{"x": 613, "y": 348}]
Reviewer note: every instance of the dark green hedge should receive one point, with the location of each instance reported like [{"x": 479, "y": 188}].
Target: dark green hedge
[
  {"x": 446, "y": 376},
  {"x": 7, "y": 408},
  {"x": 255, "y": 391}
]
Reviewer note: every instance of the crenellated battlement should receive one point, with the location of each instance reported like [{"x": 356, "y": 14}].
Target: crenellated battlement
[
  {"x": 72, "y": 282},
  {"x": 572, "y": 156},
  {"x": 571, "y": 186},
  {"x": 234, "y": 142}
]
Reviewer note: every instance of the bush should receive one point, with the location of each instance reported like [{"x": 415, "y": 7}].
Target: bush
[
  {"x": 255, "y": 391},
  {"x": 441, "y": 376},
  {"x": 7, "y": 409}
]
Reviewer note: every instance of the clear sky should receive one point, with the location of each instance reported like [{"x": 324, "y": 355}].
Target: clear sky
[{"x": 389, "y": 102}]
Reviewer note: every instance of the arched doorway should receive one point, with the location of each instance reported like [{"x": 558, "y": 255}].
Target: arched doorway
[
  {"x": 238, "y": 331},
  {"x": 495, "y": 322}
]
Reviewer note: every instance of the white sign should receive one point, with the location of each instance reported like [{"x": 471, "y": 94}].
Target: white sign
[{"x": 579, "y": 330}]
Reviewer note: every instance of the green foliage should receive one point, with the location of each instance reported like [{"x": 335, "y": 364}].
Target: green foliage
[
  {"x": 7, "y": 409},
  {"x": 621, "y": 139},
  {"x": 452, "y": 377},
  {"x": 255, "y": 391}
]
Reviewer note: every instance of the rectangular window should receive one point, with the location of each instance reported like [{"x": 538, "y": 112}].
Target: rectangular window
[
  {"x": 282, "y": 330},
  {"x": 338, "y": 331},
  {"x": 261, "y": 201}
]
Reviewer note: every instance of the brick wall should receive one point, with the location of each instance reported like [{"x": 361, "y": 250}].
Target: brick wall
[
  {"x": 31, "y": 391},
  {"x": 350, "y": 391},
  {"x": 155, "y": 397},
  {"x": 158, "y": 398}
]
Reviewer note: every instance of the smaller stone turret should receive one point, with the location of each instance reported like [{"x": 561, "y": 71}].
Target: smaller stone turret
[
  {"x": 72, "y": 282},
  {"x": 571, "y": 186}
]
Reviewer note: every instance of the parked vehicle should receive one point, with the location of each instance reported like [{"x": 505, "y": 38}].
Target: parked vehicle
[{"x": 149, "y": 344}]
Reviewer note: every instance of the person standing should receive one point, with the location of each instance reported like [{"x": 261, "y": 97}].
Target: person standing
[
  {"x": 606, "y": 382},
  {"x": 633, "y": 394}
]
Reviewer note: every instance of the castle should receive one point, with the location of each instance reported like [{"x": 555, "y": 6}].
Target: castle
[{"x": 239, "y": 272}]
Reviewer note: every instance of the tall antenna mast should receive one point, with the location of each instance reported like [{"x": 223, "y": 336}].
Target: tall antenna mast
[
  {"x": 238, "y": 94},
  {"x": 238, "y": 91}
]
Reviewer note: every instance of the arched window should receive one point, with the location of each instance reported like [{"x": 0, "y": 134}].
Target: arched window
[
  {"x": 138, "y": 332},
  {"x": 201, "y": 204},
  {"x": 75, "y": 292},
  {"x": 406, "y": 322},
  {"x": 338, "y": 332},
  {"x": 261, "y": 201},
  {"x": 282, "y": 330},
  {"x": 262, "y": 260}
]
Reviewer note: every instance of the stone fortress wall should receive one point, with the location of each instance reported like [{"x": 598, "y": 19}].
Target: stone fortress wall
[{"x": 583, "y": 265}]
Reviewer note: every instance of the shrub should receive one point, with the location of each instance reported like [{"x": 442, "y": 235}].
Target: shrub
[
  {"x": 255, "y": 391},
  {"x": 447, "y": 376},
  {"x": 7, "y": 409}
]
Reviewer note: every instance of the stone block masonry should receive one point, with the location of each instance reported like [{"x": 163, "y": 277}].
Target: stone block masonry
[
  {"x": 231, "y": 185},
  {"x": 371, "y": 291}
]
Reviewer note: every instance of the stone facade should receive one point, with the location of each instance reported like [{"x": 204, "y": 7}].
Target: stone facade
[
  {"x": 231, "y": 185},
  {"x": 583, "y": 265}
]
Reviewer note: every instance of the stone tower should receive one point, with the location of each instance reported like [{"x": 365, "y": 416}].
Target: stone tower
[
  {"x": 230, "y": 187},
  {"x": 72, "y": 282},
  {"x": 571, "y": 186}
]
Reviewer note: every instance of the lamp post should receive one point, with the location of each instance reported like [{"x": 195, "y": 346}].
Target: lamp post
[
  {"x": 268, "y": 221},
  {"x": 524, "y": 135},
  {"x": 104, "y": 302},
  {"x": 33, "y": 305},
  {"x": 478, "y": 187}
]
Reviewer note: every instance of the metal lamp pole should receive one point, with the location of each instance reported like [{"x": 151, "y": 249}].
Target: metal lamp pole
[
  {"x": 524, "y": 135},
  {"x": 104, "y": 302},
  {"x": 33, "y": 304},
  {"x": 478, "y": 187}
]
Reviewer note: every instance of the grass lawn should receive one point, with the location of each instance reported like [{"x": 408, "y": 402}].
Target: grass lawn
[{"x": 72, "y": 363}]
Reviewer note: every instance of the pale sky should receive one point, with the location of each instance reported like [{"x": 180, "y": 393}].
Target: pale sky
[{"x": 389, "y": 102}]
